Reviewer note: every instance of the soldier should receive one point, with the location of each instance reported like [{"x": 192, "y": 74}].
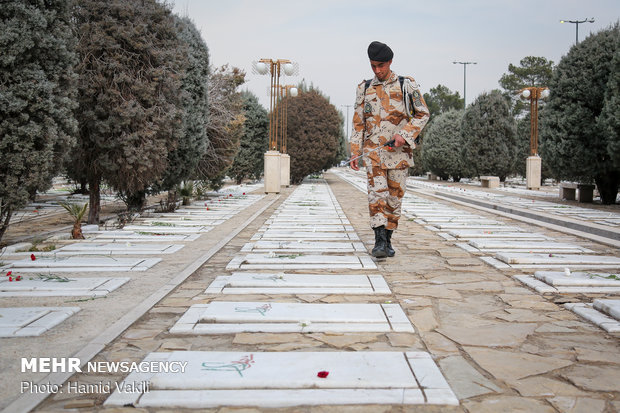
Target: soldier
[{"x": 380, "y": 116}]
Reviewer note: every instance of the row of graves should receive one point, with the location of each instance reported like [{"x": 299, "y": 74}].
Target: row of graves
[
  {"x": 542, "y": 263},
  {"x": 306, "y": 248},
  {"x": 79, "y": 268},
  {"x": 610, "y": 220}
]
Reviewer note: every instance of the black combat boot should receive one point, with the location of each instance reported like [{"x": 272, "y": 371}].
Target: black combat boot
[
  {"x": 380, "y": 249},
  {"x": 388, "y": 247}
]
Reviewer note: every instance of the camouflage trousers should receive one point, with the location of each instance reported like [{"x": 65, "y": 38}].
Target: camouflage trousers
[{"x": 386, "y": 188}]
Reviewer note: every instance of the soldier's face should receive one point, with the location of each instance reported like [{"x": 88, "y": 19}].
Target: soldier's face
[{"x": 381, "y": 69}]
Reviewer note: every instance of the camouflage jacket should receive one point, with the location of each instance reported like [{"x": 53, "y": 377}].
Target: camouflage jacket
[{"x": 380, "y": 114}]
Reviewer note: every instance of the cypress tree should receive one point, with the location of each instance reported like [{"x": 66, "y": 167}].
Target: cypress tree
[
  {"x": 443, "y": 146},
  {"x": 129, "y": 79},
  {"x": 193, "y": 141},
  {"x": 37, "y": 98},
  {"x": 249, "y": 161},
  {"x": 577, "y": 138},
  {"x": 489, "y": 136},
  {"x": 225, "y": 124},
  {"x": 314, "y": 128}
]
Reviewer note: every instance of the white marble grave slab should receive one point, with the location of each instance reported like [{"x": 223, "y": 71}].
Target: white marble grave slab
[
  {"x": 214, "y": 212},
  {"x": 32, "y": 321},
  {"x": 609, "y": 307},
  {"x": 517, "y": 259},
  {"x": 304, "y": 235},
  {"x": 562, "y": 284},
  {"x": 489, "y": 245},
  {"x": 443, "y": 219},
  {"x": 223, "y": 317},
  {"x": 308, "y": 227},
  {"x": 43, "y": 286},
  {"x": 131, "y": 236},
  {"x": 116, "y": 248},
  {"x": 296, "y": 261},
  {"x": 286, "y": 379},
  {"x": 313, "y": 221},
  {"x": 284, "y": 247},
  {"x": 281, "y": 283},
  {"x": 167, "y": 230},
  {"x": 81, "y": 264},
  {"x": 195, "y": 222},
  {"x": 441, "y": 212},
  {"x": 585, "y": 279},
  {"x": 484, "y": 225},
  {"x": 492, "y": 234},
  {"x": 601, "y": 319}
]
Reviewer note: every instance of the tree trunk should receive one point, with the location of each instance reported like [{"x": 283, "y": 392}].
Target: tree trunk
[
  {"x": 94, "y": 200},
  {"x": 6, "y": 212},
  {"x": 608, "y": 187},
  {"x": 136, "y": 201},
  {"x": 76, "y": 233},
  {"x": 83, "y": 187}
]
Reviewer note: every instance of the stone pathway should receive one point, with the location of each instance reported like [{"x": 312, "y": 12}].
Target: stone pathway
[
  {"x": 482, "y": 341},
  {"x": 353, "y": 378},
  {"x": 108, "y": 275}
]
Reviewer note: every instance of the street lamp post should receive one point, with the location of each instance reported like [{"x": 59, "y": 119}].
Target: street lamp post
[
  {"x": 285, "y": 160},
  {"x": 346, "y": 129},
  {"x": 534, "y": 163},
  {"x": 576, "y": 23},
  {"x": 272, "y": 156},
  {"x": 464, "y": 78}
]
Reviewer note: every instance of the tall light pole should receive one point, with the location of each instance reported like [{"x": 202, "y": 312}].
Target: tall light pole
[
  {"x": 286, "y": 92},
  {"x": 285, "y": 160},
  {"x": 576, "y": 23},
  {"x": 464, "y": 79},
  {"x": 272, "y": 156},
  {"x": 347, "y": 129},
  {"x": 534, "y": 164}
]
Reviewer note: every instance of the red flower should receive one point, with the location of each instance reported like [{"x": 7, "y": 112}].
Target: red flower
[
  {"x": 32, "y": 257},
  {"x": 322, "y": 374},
  {"x": 244, "y": 193},
  {"x": 10, "y": 278},
  {"x": 9, "y": 273},
  {"x": 19, "y": 278}
]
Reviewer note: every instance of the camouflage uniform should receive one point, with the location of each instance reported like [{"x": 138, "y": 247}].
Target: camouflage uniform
[{"x": 379, "y": 115}]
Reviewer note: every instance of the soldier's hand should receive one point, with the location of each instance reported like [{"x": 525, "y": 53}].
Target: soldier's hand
[
  {"x": 399, "y": 141},
  {"x": 354, "y": 165}
]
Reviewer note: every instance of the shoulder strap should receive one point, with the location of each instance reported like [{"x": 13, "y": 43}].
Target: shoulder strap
[
  {"x": 366, "y": 84},
  {"x": 401, "y": 80}
]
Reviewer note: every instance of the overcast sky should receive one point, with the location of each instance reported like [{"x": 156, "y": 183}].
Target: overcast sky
[{"x": 329, "y": 38}]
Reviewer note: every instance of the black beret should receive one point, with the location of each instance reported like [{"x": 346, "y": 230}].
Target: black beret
[{"x": 380, "y": 52}]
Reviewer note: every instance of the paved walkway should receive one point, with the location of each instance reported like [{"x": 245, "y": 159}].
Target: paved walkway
[{"x": 436, "y": 323}]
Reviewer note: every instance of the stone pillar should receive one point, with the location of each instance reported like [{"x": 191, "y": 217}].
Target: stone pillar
[
  {"x": 285, "y": 170},
  {"x": 272, "y": 172},
  {"x": 533, "y": 172}
]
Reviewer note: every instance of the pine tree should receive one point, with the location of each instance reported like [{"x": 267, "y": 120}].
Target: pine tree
[
  {"x": 314, "y": 128},
  {"x": 609, "y": 121},
  {"x": 130, "y": 61},
  {"x": 489, "y": 136},
  {"x": 193, "y": 141},
  {"x": 37, "y": 98},
  {"x": 577, "y": 137},
  {"x": 225, "y": 124},
  {"x": 249, "y": 161},
  {"x": 533, "y": 71},
  {"x": 443, "y": 146}
]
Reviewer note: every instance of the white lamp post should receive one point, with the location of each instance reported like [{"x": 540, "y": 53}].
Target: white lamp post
[
  {"x": 272, "y": 156},
  {"x": 534, "y": 163}
]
